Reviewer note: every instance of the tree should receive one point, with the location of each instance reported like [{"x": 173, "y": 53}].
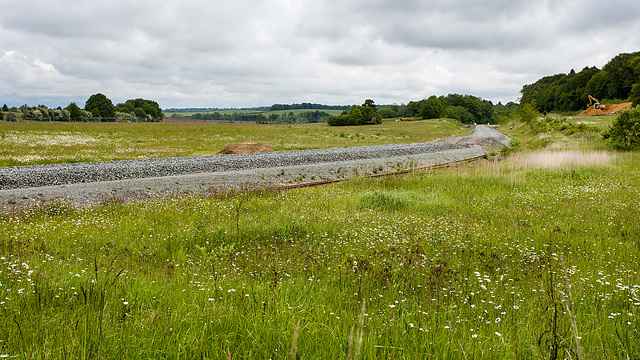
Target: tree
[
  {"x": 461, "y": 114},
  {"x": 261, "y": 119},
  {"x": 389, "y": 113},
  {"x": 624, "y": 133},
  {"x": 140, "y": 114},
  {"x": 634, "y": 97},
  {"x": 74, "y": 111},
  {"x": 370, "y": 116},
  {"x": 433, "y": 108},
  {"x": 413, "y": 108},
  {"x": 370, "y": 103},
  {"x": 141, "y": 108},
  {"x": 355, "y": 116},
  {"x": 527, "y": 113},
  {"x": 100, "y": 106},
  {"x": 5, "y": 108}
]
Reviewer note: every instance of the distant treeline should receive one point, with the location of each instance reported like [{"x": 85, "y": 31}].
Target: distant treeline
[
  {"x": 307, "y": 106},
  {"x": 210, "y": 110},
  {"x": 467, "y": 109},
  {"x": 285, "y": 118},
  {"x": 97, "y": 108},
  {"x": 274, "y": 107},
  {"x": 618, "y": 81}
]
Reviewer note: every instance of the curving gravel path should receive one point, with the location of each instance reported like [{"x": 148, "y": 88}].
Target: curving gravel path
[
  {"x": 64, "y": 174},
  {"x": 91, "y": 183}
]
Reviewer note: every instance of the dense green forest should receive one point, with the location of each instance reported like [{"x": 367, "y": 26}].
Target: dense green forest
[{"x": 617, "y": 81}]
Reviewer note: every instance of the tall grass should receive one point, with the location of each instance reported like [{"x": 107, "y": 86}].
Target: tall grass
[
  {"x": 563, "y": 159},
  {"x": 459, "y": 263}
]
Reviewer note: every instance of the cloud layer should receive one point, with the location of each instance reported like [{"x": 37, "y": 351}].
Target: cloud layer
[{"x": 197, "y": 53}]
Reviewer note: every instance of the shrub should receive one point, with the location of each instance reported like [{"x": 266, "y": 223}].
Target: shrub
[
  {"x": 358, "y": 115},
  {"x": 625, "y": 131},
  {"x": 527, "y": 113}
]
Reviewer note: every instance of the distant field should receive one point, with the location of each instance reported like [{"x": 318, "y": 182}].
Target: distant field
[
  {"x": 251, "y": 112},
  {"x": 29, "y": 142}
]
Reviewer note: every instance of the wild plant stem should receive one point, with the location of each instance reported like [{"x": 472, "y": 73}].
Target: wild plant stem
[{"x": 569, "y": 306}]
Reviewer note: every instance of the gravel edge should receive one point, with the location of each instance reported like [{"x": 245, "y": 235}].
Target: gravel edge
[{"x": 84, "y": 194}]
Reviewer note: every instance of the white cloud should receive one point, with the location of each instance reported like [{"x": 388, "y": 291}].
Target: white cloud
[{"x": 251, "y": 52}]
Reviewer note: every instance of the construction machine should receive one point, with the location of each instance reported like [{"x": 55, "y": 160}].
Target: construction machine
[{"x": 595, "y": 103}]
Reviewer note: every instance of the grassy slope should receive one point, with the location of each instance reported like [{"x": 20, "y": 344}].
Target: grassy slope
[
  {"x": 457, "y": 263},
  {"x": 29, "y": 143}
]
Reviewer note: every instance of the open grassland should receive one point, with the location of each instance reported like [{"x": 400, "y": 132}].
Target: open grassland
[
  {"x": 30, "y": 143},
  {"x": 536, "y": 256}
]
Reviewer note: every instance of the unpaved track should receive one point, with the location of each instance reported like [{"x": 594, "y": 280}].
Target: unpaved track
[{"x": 202, "y": 183}]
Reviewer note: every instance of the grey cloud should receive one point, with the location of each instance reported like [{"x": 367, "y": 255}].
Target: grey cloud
[{"x": 252, "y": 52}]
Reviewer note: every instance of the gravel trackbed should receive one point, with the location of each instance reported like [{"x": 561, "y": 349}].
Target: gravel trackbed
[{"x": 134, "y": 180}]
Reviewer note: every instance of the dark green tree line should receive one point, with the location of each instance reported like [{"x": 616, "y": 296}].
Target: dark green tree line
[
  {"x": 357, "y": 115},
  {"x": 145, "y": 110},
  {"x": 464, "y": 108},
  {"x": 618, "y": 80}
]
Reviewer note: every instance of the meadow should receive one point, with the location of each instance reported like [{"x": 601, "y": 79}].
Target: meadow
[
  {"x": 31, "y": 142},
  {"x": 535, "y": 256}
]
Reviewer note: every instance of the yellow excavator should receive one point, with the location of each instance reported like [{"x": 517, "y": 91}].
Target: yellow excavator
[{"x": 595, "y": 103}]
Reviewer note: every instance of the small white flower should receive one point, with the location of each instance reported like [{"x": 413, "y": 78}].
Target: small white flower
[
  {"x": 474, "y": 336},
  {"x": 498, "y": 320},
  {"x": 497, "y": 333}
]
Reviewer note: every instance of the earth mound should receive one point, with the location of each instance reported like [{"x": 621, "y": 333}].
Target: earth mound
[
  {"x": 246, "y": 148},
  {"x": 609, "y": 109}
]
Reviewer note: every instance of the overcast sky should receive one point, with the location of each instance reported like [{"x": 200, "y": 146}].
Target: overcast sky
[{"x": 245, "y": 53}]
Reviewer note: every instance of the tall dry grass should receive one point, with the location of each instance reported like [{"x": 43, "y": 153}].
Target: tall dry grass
[
  {"x": 563, "y": 159},
  {"x": 514, "y": 169}
]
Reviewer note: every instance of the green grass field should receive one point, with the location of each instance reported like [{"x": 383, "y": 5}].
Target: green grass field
[
  {"x": 470, "y": 262},
  {"x": 30, "y": 142}
]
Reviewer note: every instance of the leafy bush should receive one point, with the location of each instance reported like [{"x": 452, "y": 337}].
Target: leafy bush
[
  {"x": 625, "y": 131},
  {"x": 514, "y": 146},
  {"x": 358, "y": 115}
]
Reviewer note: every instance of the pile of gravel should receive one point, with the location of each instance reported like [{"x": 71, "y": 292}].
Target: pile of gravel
[
  {"x": 487, "y": 132},
  {"x": 64, "y": 174}
]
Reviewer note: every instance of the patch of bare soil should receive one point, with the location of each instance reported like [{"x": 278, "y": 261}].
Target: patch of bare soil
[
  {"x": 246, "y": 148},
  {"x": 609, "y": 109},
  {"x": 472, "y": 141}
]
